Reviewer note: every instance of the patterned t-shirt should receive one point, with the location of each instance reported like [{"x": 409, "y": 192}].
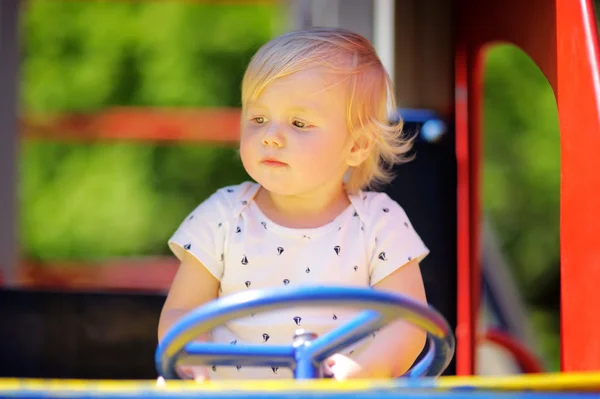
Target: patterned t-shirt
[{"x": 245, "y": 250}]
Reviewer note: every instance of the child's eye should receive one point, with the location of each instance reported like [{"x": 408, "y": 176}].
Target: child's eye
[
  {"x": 259, "y": 120},
  {"x": 300, "y": 125}
]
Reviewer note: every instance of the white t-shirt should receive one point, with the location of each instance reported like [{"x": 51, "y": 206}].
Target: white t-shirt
[{"x": 245, "y": 250}]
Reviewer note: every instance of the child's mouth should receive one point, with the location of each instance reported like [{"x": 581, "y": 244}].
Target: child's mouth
[{"x": 273, "y": 162}]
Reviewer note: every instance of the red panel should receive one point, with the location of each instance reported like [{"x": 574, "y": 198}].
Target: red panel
[
  {"x": 561, "y": 36},
  {"x": 579, "y": 111},
  {"x": 141, "y": 275},
  {"x": 482, "y": 23},
  {"x": 529, "y": 25},
  {"x": 217, "y": 125}
]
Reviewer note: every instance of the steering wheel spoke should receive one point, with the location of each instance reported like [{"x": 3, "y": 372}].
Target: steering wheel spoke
[
  {"x": 358, "y": 328},
  {"x": 201, "y": 353}
]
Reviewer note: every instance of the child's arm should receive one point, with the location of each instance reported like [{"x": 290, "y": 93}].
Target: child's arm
[
  {"x": 395, "y": 347},
  {"x": 192, "y": 286}
]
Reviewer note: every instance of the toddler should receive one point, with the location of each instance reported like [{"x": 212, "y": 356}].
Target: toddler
[{"x": 315, "y": 136}]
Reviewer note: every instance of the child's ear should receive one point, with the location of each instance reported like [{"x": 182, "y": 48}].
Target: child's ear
[{"x": 360, "y": 150}]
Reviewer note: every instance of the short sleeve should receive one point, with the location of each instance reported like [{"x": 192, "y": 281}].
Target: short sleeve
[
  {"x": 203, "y": 232},
  {"x": 394, "y": 240}
]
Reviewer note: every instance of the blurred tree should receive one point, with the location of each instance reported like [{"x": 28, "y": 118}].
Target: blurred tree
[
  {"x": 111, "y": 199},
  {"x": 521, "y": 181},
  {"x": 522, "y": 160}
]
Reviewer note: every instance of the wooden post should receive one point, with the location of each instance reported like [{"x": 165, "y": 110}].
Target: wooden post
[{"x": 9, "y": 66}]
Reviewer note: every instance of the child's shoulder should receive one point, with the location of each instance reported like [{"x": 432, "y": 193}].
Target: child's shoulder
[
  {"x": 236, "y": 194},
  {"x": 230, "y": 199},
  {"x": 375, "y": 203},
  {"x": 380, "y": 211}
]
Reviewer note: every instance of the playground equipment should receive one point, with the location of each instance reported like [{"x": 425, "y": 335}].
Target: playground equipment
[
  {"x": 306, "y": 353},
  {"x": 560, "y": 36}
]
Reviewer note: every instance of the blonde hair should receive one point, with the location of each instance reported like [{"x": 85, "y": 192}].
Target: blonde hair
[{"x": 371, "y": 106}]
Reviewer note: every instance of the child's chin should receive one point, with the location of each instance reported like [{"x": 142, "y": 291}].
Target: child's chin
[{"x": 280, "y": 188}]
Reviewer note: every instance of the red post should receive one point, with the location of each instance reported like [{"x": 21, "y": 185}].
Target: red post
[
  {"x": 468, "y": 157},
  {"x": 579, "y": 114}
]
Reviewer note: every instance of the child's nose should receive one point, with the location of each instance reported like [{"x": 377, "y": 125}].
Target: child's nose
[{"x": 273, "y": 138}]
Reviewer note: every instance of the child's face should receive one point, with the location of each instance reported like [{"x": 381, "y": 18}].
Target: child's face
[{"x": 299, "y": 121}]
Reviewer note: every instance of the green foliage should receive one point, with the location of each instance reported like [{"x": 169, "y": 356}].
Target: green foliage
[
  {"x": 522, "y": 161},
  {"x": 76, "y": 199},
  {"x": 521, "y": 177},
  {"x": 81, "y": 201},
  {"x": 85, "y": 55},
  {"x": 125, "y": 199}
]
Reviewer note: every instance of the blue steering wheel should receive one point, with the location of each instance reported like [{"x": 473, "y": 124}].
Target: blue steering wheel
[{"x": 306, "y": 354}]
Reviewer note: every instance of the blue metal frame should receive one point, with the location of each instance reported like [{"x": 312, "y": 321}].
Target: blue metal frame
[{"x": 381, "y": 308}]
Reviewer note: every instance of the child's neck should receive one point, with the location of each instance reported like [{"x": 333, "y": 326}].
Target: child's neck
[{"x": 309, "y": 210}]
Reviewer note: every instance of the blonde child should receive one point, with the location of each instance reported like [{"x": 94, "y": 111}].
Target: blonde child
[{"x": 315, "y": 133}]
